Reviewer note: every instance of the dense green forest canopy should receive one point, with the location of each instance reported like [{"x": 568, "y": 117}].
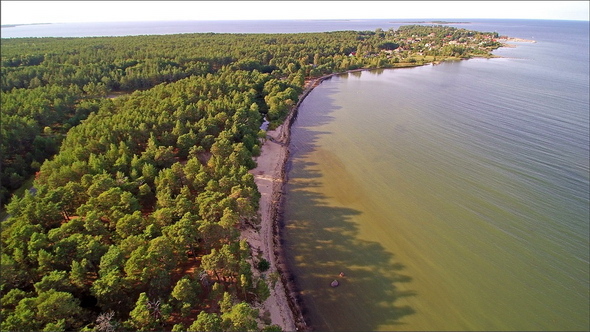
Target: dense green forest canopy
[{"x": 142, "y": 147}]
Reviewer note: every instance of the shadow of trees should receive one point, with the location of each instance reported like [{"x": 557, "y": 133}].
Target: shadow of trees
[{"x": 321, "y": 240}]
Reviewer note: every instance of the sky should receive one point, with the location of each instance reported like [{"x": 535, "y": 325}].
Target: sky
[{"x": 26, "y": 12}]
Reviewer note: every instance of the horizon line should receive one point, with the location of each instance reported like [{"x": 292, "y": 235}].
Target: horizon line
[{"x": 304, "y": 19}]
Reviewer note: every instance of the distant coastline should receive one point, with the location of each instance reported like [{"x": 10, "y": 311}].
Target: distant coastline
[{"x": 18, "y": 25}]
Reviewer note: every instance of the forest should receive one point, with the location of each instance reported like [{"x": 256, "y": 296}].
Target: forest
[{"x": 140, "y": 148}]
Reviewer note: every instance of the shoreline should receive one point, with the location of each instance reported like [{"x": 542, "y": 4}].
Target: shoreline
[
  {"x": 270, "y": 176},
  {"x": 515, "y": 40},
  {"x": 508, "y": 41}
]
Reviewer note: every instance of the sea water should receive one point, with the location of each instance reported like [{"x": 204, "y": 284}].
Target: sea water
[{"x": 452, "y": 196}]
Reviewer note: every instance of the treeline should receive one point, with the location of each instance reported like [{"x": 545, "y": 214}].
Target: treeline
[
  {"x": 134, "y": 220},
  {"x": 50, "y": 84}
]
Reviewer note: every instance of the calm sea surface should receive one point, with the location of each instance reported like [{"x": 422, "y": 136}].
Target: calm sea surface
[{"x": 453, "y": 197}]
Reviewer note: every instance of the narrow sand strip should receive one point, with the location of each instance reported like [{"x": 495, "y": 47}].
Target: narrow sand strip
[{"x": 270, "y": 178}]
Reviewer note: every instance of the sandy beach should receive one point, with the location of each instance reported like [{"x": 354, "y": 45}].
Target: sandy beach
[
  {"x": 515, "y": 40},
  {"x": 269, "y": 177},
  {"x": 507, "y": 41}
]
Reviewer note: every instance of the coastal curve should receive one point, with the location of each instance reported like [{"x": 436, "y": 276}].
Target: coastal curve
[{"x": 284, "y": 304}]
